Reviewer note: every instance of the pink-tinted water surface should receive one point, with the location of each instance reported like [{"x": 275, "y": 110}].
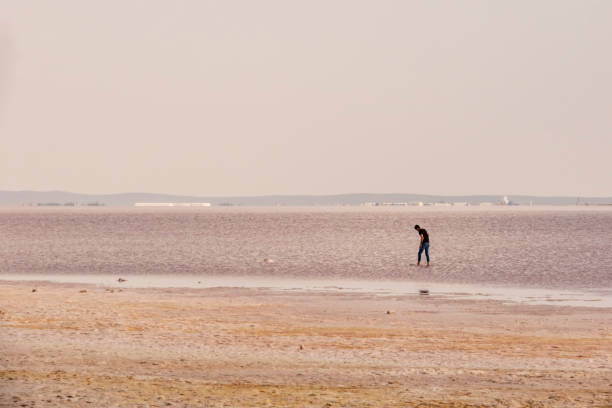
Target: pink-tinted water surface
[{"x": 557, "y": 248}]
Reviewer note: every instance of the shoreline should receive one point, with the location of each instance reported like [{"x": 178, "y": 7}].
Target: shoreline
[
  {"x": 561, "y": 208},
  {"x": 578, "y": 297},
  {"x": 253, "y": 347}
]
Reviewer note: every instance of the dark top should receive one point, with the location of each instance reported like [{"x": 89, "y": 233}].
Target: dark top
[{"x": 425, "y": 235}]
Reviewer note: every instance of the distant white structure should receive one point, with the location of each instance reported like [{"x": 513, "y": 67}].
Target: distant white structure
[
  {"x": 171, "y": 204},
  {"x": 442, "y": 204},
  {"x": 461, "y": 203},
  {"x": 486, "y": 204},
  {"x": 379, "y": 204},
  {"x": 507, "y": 201}
]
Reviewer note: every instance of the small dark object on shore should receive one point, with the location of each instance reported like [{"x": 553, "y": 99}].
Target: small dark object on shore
[
  {"x": 121, "y": 280},
  {"x": 33, "y": 290},
  {"x": 424, "y": 292},
  {"x": 83, "y": 291}
]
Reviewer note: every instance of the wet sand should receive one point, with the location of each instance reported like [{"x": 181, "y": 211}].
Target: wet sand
[{"x": 88, "y": 346}]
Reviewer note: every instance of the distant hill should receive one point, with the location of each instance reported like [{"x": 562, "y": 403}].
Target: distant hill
[{"x": 18, "y": 198}]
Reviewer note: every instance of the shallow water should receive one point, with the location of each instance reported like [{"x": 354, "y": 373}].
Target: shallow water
[{"x": 547, "y": 248}]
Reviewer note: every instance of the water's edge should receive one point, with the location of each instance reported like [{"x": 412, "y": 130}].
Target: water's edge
[{"x": 600, "y": 298}]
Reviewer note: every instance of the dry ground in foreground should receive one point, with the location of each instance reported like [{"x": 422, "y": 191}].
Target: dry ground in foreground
[{"x": 228, "y": 347}]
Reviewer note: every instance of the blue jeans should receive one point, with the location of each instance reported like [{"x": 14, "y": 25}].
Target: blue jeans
[{"x": 425, "y": 248}]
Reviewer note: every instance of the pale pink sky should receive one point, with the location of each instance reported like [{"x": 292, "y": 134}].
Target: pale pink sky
[{"x": 306, "y": 97}]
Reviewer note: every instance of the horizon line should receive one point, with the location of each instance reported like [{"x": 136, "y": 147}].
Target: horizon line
[{"x": 308, "y": 195}]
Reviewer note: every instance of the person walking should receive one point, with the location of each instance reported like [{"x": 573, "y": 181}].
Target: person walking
[{"x": 424, "y": 244}]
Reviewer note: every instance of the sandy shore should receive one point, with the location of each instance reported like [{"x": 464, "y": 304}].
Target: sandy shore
[{"x": 86, "y": 346}]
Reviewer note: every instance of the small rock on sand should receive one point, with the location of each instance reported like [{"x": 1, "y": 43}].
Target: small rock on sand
[
  {"x": 424, "y": 292},
  {"x": 33, "y": 290},
  {"x": 83, "y": 291},
  {"x": 121, "y": 280}
]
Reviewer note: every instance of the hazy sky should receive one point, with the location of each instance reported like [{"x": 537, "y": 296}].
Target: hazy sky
[{"x": 306, "y": 97}]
